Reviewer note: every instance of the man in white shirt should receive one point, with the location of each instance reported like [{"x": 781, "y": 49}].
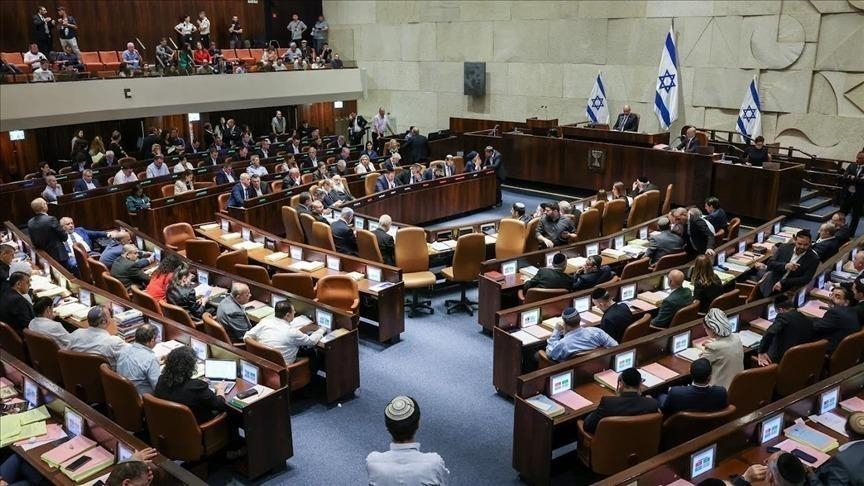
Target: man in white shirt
[
  {"x": 124, "y": 175},
  {"x": 256, "y": 168},
  {"x": 44, "y": 322},
  {"x": 43, "y": 73},
  {"x": 204, "y": 28},
  {"x": 33, "y": 57},
  {"x": 157, "y": 168},
  {"x": 380, "y": 123},
  {"x": 282, "y": 333},
  {"x": 404, "y": 463},
  {"x": 52, "y": 190},
  {"x": 138, "y": 363},
  {"x": 277, "y": 124},
  {"x": 183, "y": 166},
  {"x": 95, "y": 339}
]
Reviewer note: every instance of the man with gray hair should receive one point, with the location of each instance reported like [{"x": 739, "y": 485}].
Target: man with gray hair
[
  {"x": 343, "y": 233},
  {"x": 138, "y": 363},
  {"x": 386, "y": 243},
  {"x": 126, "y": 270},
  {"x": 52, "y": 190},
  {"x": 230, "y": 312},
  {"x": 241, "y": 191},
  {"x": 697, "y": 233},
  {"x": 663, "y": 242},
  {"x": 96, "y": 339},
  {"x": 827, "y": 245},
  {"x": 46, "y": 234}
]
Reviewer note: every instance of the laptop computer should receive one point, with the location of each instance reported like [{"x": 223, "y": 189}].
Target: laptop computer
[{"x": 220, "y": 370}]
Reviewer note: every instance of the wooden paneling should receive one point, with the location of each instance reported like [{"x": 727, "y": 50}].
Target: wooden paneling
[{"x": 19, "y": 158}]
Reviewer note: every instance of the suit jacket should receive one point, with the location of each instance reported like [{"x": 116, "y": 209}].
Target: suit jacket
[
  {"x": 288, "y": 181},
  {"x": 626, "y": 123},
  {"x": 46, "y": 234},
  {"x": 827, "y": 248},
  {"x": 851, "y": 178},
  {"x": 692, "y": 398},
  {"x": 4, "y": 277},
  {"x": 662, "y": 244},
  {"x": 549, "y": 278},
  {"x": 469, "y": 166},
  {"x": 232, "y": 317},
  {"x": 211, "y": 162},
  {"x": 616, "y": 320},
  {"x": 807, "y": 265},
  {"x": 231, "y": 136},
  {"x": 195, "y": 394},
  {"x": 128, "y": 273},
  {"x": 698, "y": 237},
  {"x": 689, "y": 144},
  {"x": 788, "y": 329},
  {"x": 81, "y": 186},
  {"x": 589, "y": 280},
  {"x": 387, "y": 245},
  {"x": 495, "y": 162},
  {"x": 344, "y": 238},
  {"x": 840, "y": 469},
  {"x": 718, "y": 219},
  {"x": 40, "y": 32},
  {"x": 382, "y": 184},
  {"x": 90, "y": 237},
  {"x": 265, "y": 189},
  {"x": 836, "y": 324},
  {"x": 221, "y": 178},
  {"x": 301, "y": 209},
  {"x": 15, "y": 310},
  {"x": 239, "y": 194},
  {"x": 679, "y": 298},
  {"x": 418, "y": 149},
  {"x": 628, "y": 404}
]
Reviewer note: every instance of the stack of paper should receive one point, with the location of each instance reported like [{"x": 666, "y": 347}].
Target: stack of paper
[
  {"x": 99, "y": 460},
  {"x": 653, "y": 298},
  {"x": 749, "y": 338},
  {"x": 80, "y": 313},
  {"x": 613, "y": 253},
  {"x": 590, "y": 318},
  {"x": 608, "y": 378},
  {"x": 690, "y": 354},
  {"x": 276, "y": 256},
  {"x": 162, "y": 349},
  {"x": 852, "y": 405},
  {"x": 231, "y": 236},
  {"x": 632, "y": 250},
  {"x": 525, "y": 337},
  {"x": 539, "y": 332},
  {"x": 261, "y": 312},
  {"x": 832, "y": 421},
  {"x": 641, "y": 306},
  {"x": 304, "y": 266},
  {"x": 51, "y": 292},
  {"x": 735, "y": 267},
  {"x": 778, "y": 239},
  {"x": 356, "y": 276},
  {"x": 440, "y": 246},
  {"x": 7, "y": 389},
  {"x": 209, "y": 226},
  {"x": 639, "y": 242},
  {"x": 576, "y": 263},
  {"x": 248, "y": 245},
  {"x": 572, "y": 400},
  {"x": 40, "y": 282},
  {"x": 814, "y": 309},
  {"x": 551, "y": 322},
  {"x": 380, "y": 286},
  {"x": 790, "y": 445},
  {"x": 53, "y": 432},
  {"x": 658, "y": 370},
  {"x": 811, "y": 437},
  {"x": 68, "y": 450},
  {"x": 545, "y": 405},
  {"x": 761, "y": 323},
  {"x": 528, "y": 271}
]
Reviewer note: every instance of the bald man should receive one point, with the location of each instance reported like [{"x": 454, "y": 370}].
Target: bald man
[
  {"x": 230, "y": 312},
  {"x": 690, "y": 141},
  {"x": 679, "y": 296},
  {"x": 47, "y": 234},
  {"x": 627, "y": 122}
]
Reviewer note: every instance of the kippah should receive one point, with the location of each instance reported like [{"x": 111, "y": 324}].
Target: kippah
[
  {"x": 790, "y": 468},
  {"x": 631, "y": 377},
  {"x": 518, "y": 205},
  {"x": 471, "y": 155},
  {"x": 400, "y": 408},
  {"x": 856, "y": 423},
  {"x": 449, "y": 156},
  {"x": 569, "y": 314},
  {"x": 643, "y": 179},
  {"x": 94, "y": 313},
  {"x": 717, "y": 321},
  {"x": 558, "y": 259}
]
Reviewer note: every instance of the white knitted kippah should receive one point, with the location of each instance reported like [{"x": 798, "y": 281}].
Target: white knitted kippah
[{"x": 400, "y": 408}]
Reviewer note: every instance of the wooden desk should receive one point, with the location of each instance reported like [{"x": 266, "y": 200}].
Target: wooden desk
[
  {"x": 95, "y": 426},
  {"x": 638, "y": 139},
  {"x": 776, "y": 190}
]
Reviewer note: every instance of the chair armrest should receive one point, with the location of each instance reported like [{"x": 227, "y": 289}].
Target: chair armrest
[
  {"x": 214, "y": 433},
  {"x": 521, "y": 295},
  {"x": 240, "y": 345},
  {"x": 171, "y": 247},
  {"x": 355, "y": 305},
  {"x": 657, "y": 328}
]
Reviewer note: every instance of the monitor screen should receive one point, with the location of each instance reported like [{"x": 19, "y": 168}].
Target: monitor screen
[
  {"x": 702, "y": 461},
  {"x": 733, "y": 322},
  {"x": 625, "y": 360},
  {"x": 828, "y": 401},
  {"x": 560, "y": 382},
  {"x": 770, "y": 429},
  {"x": 219, "y": 369},
  {"x": 582, "y": 304},
  {"x": 628, "y": 292},
  {"x": 680, "y": 342},
  {"x": 324, "y": 319}
]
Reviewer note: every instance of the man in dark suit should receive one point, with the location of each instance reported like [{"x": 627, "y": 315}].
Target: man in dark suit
[
  {"x": 15, "y": 307},
  {"x": 626, "y": 122},
  {"x": 293, "y": 178},
  {"x": 690, "y": 142},
  {"x": 386, "y": 243},
  {"x": 848, "y": 461},
  {"x": 7, "y": 254},
  {"x": 264, "y": 151},
  {"x": 256, "y": 187},
  {"x": 828, "y": 244},
  {"x": 839, "y": 321},
  {"x": 617, "y": 316},
  {"x": 493, "y": 161},
  {"x": 148, "y": 141},
  {"x": 86, "y": 182},
  {"x": 344, "y": 237},
  {"x": 42, "y": 36},
  {"x": 356, "y": 128},
  {"x": 126, "y": 270},
  {"x": 241, "y": 191},
  {"x": 790, "y": 267},
  {"x": 386, "y": 181},
  {"x": 790, "y": 328},
  {"x": 700, "y": 396},
  {"x": 593, "y": 274},
  {"x": 839, "y": 220},
  {"x": 715, "y": 214},
  {"x": 664, "y": 242},
  {"x": 232, "y": 133},
  {"x": 47, "y": 234},
  {"x": 226, "y": 175},
  {"x": 627, "y": 403},
  {"x": 303, "y": 203},
  {"x": 551, "y": 278},
  {"x": 679, "y": 296},
  {"x": 852, "y": 182},
  {"x": 417, "y": 147},
  {"x": 698, "y": 237}
]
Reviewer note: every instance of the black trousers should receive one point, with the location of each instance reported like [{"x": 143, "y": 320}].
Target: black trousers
[{"x": 853, "y": 205}]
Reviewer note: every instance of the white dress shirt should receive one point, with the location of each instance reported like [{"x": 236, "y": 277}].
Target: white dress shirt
[
  {"x": 120, "y": 178},
  {"x": 51, "y": 328},
  {"x": 283, "y": 336},
  {"x": 183, "y": 168},
  {"x": 260, "y": 170},
  {"x": 404, "y": 465},
  {"x": 380, "y": 123},
  {"x": 97, "y": 340},
  {"x": 153, "y": 171}
]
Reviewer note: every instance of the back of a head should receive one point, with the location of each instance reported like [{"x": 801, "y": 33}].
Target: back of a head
[
  {"x": 663, "y": 223},
  {"x": 631, "y": 378},
  {"x": 571, "y": 317},
  {"x": 96, "y": 316},
  {"x": 855, "y": 426},
  {"x": 385, "y": 221},
  {"x": 787, "y": 470},
  {"x": 145, "y": 333},
  {"x": 128, "y": 471},
  {"x": 41, "y": 305},
  {"x": 700, "y": 371},
  {"x": 283, "y": 308},
  {"x": 402, "y": 418}
]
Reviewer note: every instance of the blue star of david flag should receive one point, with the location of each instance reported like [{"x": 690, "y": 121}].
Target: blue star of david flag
[
  {"x": 666, "y": 96},
  {"x": 749, "y": 122},
  {"x": 597, "y": 108}
]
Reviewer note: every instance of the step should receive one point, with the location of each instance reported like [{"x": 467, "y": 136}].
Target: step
[
  {"x": 813, "y": 204},
  {"x": 807, "y": 193},
  {"x": 822, "y": 214}
]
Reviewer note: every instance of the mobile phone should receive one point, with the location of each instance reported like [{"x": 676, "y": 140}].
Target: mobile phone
[
  {"x": 248, "y": 393},
  {"x": 772, "y": 449},
  {"x": 78, "y": 463},
  {"x": 803, "y": 456}
]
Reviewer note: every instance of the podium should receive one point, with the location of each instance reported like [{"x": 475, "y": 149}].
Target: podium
[{"x": 540, "y": 127}]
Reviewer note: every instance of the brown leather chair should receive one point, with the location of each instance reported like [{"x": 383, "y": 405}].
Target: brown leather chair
[
  {"x": 543, "y": 360},
  {"x": 299, "y": 372},
  {"x": 176, "y": 235},
  {"x": 638, "y": 329},
  {"x": 467, "y": 263},
  {"x": 125, "y": 407},
  {"x": 683, "y": 426},
  {"x": 175, "y": 433},
  {"x": 222, "y": 200},
  {"x": 322, "y": 236},
  {"x": 12, "y": 343},
  {"x": 202, "y": 251},
  {"x": 306, "y": 221},
  {"x": 115, "y": 286},
  {"x": 800, "y": 367},
  {"x": 589, "y": 226},
  {"x": 613, "y": 216},
  {"x": 604, "y": 451},
  {"x": 97, "y": 269},
  {"x": 43, "y": 355},
  {"x": 752, "y": 389},
  {"x": 167, "y": 190},
  {"x": 726, "y": 300},
  {"x": 849, "y": 352},
  {"x": 291, "y": 223},
  {"x": 734, "y": 227},
  {"x": 177, "y": 314},
  {"x": 338, "y": 291},
  {"x": 536, "y": 294},
  {"x": 367, "y": 246},
  {"x": 652, "y": 205},
  {"x": 214, "y": 329},
  {"x": 530, "y": 237},
  {"x": 671, "y": 260},
  {"x": 510, "y": 242},
  {"x": 638, "y": 210},
  {"x": 143, "y": 299},
  {"x": 81, "y": 375},
  {"x": 227, "y": 260},
  {"x": 667, "y": 200},
  {"x": 256, "y": 273},
  {"x": 300, "y": 283},
  {"x": 81, "y": 258},
  {"x": 369, "y": 181},
  {"x": 688, "y": 313},
  {"x": 307, "y": 178},
  {"x": 412, "y": 256},
  {"x": 636, "y": 268},
  {"x": 294, "y": 202},
  {"x": 600, "y": 204}
]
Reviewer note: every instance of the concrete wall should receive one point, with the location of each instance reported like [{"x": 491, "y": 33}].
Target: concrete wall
[{"x": 808, "y": 55}]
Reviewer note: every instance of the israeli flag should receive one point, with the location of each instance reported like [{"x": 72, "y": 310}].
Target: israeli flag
[
  {"x": 666, "y": 96},
  {"x": 598, "y": 109},
  {"x": 749, "y": 123}
]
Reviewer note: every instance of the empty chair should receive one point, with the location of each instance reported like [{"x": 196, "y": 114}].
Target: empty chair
[
  {"x": 176, "y": 313},
  {"x": 296, "y": 283},
  {"x": 412, "y": 256},
  {"x": 652, "y": 204},
  {"x": 369, "y": 181},
  {"x": 849, "y": 353},
  {"x": 636, "y": 268},
  {"x": 322, "y": 236},
  {"x": 683, "y": 426},
  {"x": 175, "y": 433},
  {"x": 530, "y": 237},
  {"x": 125, "y": 407},
  {"x": 110, "y": 60},
  {"x": 291, "y": 223},
  {"x": 306, "y": 221},
  {"x": 752, "y": 389},
  {"x": 800, "y": 367},
  {"x": 256, "y": 273},
  {"x": 91, "y": 61},
  {"x": 17, "y": 60},
  {"x": 613, "y": 216},
  {"x": 667, "y": 200},
  {"x": 510, "y": 242},
  {"x": 367, "y": 246},
  {"x": 176, "y": 235},
  {"x": 143, "y": 299},
  {"x": 638, "y": 210},
  {"x": 227, "y": 260},
  {"x": 338, "y": 291},
  {"x": 734, "y": 227},
  {"x": 638, "y": 329},
  {"x": 467, "y": 263},
  {"x": 114, "y": 286},
  {"x": 43, "y": 355},
  {"x": 671, "y": 260},
  {"x": 11, "y": 342},
  {"x": 604, "y": 451},
  {"x": 167, "y": 191},
  {"x": 216, "y": 330},
  {"x": 726, "y": 300},
  {"x": 202, "y": 251},
  {"x": 222, "y": 200},
  {"x": 589, "y": 225},
  {"x": 81, "y": 258},
  {"x": 97, "y": 269},
  {"x": 81, "y": 375},
  {"x": 299, "y": 372}
]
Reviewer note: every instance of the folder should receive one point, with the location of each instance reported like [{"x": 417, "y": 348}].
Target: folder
[
  {"x": 690, "y": 354},
  {"x": 52, "y": 432},
  {"x": 789, "y": 445},
  {"x": 572, "y": 400},
  {"x": 99, "y": 460},
  {"x": 209, "y": 226},
  {"x": 39, "y": 414},
  {"x": 276, "y": 256},
  {"x": 551, "y": 322},
  {"x": 761, "y": 323},
  {"x": 590, "y": 318},
  {"x": 546, "y": 405},
  {"x": 529, "y": 272},
  {"x": 355, "y": 276},
  {"x": 809, "y": 436},
  {"x": 608, "y": 378},
  {"x": 231, "y": 236},
  {"x": 67, "y": 450},
  {"x": 34, "y": 429},
  {"x": 659, "y": 371},
  {"x": 525, "y": 337},
  {"x": 749, "y": 338},
  {"x": 248, "y": 245},
  {"x": 852, "y": 405},
  {"x": 539, "y": 332},
  {"x": 813, "y": 309},
  {"x": 641, "y": 306}
]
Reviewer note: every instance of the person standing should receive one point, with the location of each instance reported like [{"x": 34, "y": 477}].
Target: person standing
[
  {"x": 42, "y": 25},
  {"x": 319, "y": 34},
  {"x": 204, "y": 28},
  {"x": 235, "y": 33},
  {"x": 47, "y": 234},
  {"x": 184, "y": 31},
  {"x": 853, "y": 196},
  {"x": 380, "y": 123},
  {"x": 296, "y": 27},
  {"x": 494, "y": 161},
  {"x": 67, "y": 27}
]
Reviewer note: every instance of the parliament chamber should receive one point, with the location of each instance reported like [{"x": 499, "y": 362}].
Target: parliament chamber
[{"x": 228, "y": 247}]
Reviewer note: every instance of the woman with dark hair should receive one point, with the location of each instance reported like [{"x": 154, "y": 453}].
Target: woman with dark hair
[
  {"x": 181, "y": 292},
  {"x": 46, "y": 170},
  {"x": 177, "y": 385},
  {"x": 137, "y": 200},
  {"x": 369, "y": 151},
  {"x": 619, "y": 191},
  {"x": 161, "y": 277},
  {"x": 706, "y": 284},
  {"x": 114, "y": 145}
]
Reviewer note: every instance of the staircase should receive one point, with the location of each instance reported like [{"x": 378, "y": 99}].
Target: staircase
[{"x": 814, "y": 206}]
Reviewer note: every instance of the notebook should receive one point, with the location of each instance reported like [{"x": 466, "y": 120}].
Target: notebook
[
  {"x": 814, "y": 309},
  {"x": 852, "y": 405},
  {"x": 572, "y": 400},
  {"x": 690, "y": 354},
  {"x": 590, "y": 318},
  {"x": 608, "y": 378},
  {"x": 99, "y": 460},
  {"x": 749, "y": 338},
  {"x": 811, "y": 437},
  {"x": 68, "y": 450},
  {"x": 761, "y": 323},
  {"x": 659, "y": 371},
  {"x": 539, "y": 332},
  {"x": 789, "y": 445},
  {"x": 648, "y": 379},
  {"x": 525, "y": 337},
  {"x": 546, "y": 405},
  {"x": 276, "y": 256}
]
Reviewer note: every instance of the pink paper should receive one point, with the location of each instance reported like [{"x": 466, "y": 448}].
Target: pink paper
[
  {"x": 660, "y": 371},
  {"x": 590, "y": 318},
  {"x": 608, "y": 378},
  {"x": 572, "y": 400},
  {"x": 761, "y": 324},
  {"x": 853, "y": 404},
  {"x": 681, "y": 482},
  {"x": 68, "y": 450},
  {"x": 789, "y": 445}
]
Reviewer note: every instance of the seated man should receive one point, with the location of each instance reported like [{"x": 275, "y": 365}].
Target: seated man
[
  {"x": 593, "y": 274},
  {"x": 827, "y": 245},
  {"x": 44, "y": 322},
  {"x": 617, "y": 316},
  {"x": 715, "y": 214},
  {"x": 628, "y": 401},
  {"x": 115, "y": 249},
  {"x": 626, "y": 122},
  {"x": 689, "y": 142},
  {"x": 664, "y": 242},
  {"x": 344, "y": 238},
  {"x": 43, "y": 73},
  {"x": 52, "y": 190},
  {"x": 126, "y": 270},
  {"x": 642, "y": 185},
  {"x": 124, "y": 175},
  {"x": 339, "y": 189},
  {"x": 138, "y": 363},
  {"x": 790, "y": 328},
  {"x": 839, "y": 321},
  {"x": 293, "y": 178},
  {"x": 386, "y": 181},
  {"x": 255, "y": 166},
  {"x": 68, "y": 60},
  {"x": 87, "y": 238},
  {"x": 780, "y": 469},
  {"x": 679, "y": 297},
  {"x": 256, "y": 187},
  {"x": 280, "y": 333},
  {"x": 15, "y": 307},
  {"x": 554, "y": 229},
  {"x": 318, "y": 211},
  {"x": 700, "y": 396},
  {"x": 95, "y": 339},
  {"x": 241, "y": 191},
  {"x": 551, "y": 277},
  {"x": 839, "y": 220},
  {"x": 386, "y": 243},
  {"x": 790, "y": 267},
  {"x": 571, "y": 338},
  {"x": 404, "y": 463},
  {"x": 847, "y": 463},
  {"x": 131, "y": 56},
  {"x": 158, "y": 167},
  {"x": 518, "y": 212},
  {"x": 226, "y": 175},
  {"x": 230, "y": 312},
  {"x": 86, "y": 182}
]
